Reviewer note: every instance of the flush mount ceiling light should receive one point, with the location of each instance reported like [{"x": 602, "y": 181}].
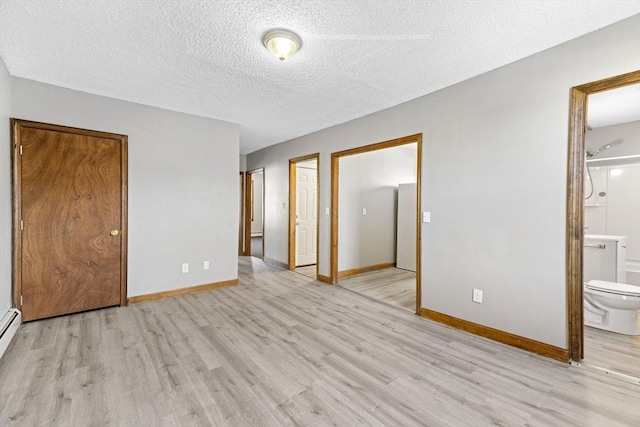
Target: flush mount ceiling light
[{"x": 283, "y": 44}]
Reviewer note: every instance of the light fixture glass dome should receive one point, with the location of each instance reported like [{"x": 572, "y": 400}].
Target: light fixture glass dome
[{"x": 283, "y": 44}]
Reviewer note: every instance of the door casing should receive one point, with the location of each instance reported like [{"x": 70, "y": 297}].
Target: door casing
[
  {"x": 335, "y": 191},
  {"x": 575, "y": 203}
]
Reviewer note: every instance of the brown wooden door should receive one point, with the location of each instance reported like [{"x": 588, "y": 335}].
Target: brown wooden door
[{"x": 71, "y": 203}]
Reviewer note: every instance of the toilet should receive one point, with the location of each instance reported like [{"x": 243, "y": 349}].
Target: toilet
[{"x": 609, "y": 303}]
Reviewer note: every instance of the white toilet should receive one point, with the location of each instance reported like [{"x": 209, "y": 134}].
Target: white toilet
[{"x": 609, "y": 303}]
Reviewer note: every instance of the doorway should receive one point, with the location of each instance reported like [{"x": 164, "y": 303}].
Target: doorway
[
  {"x": 254, "y": 213},
  {"x": 366, "y": 212},
  {"x": 576, "y": 203},
  {"x": 304, "y": 214},
  {"x": 70, "y": 219}
]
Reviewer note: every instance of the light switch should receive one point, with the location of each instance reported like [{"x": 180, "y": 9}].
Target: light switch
[
  {"x": 426, "y": 216},
  {"x": 364, "y": 211},
  {"x": 326, "y": 210}
]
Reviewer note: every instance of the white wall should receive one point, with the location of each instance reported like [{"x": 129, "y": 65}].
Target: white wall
[
  {"x": 5, "y": 190},
  {"x": 183, "y": 182},
  {"x": 370, "y": 181},
  {"x": 618, "y": 211},
  {"x": 494, "y": 178},
  {"x": 625, "y": 135}
]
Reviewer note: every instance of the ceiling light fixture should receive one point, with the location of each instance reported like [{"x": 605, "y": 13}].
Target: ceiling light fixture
[{"x": 283, "y": 44}]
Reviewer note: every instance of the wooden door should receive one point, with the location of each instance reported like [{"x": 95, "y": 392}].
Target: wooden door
[
  {"x": 71, "y": 206},
  {"x": 306, "y": 219}
]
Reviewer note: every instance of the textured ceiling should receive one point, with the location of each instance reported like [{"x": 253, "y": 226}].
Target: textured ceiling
[{"x": 206, "y": 57}]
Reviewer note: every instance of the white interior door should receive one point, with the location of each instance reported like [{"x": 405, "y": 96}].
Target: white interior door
[{"x": 306, "y": 215}]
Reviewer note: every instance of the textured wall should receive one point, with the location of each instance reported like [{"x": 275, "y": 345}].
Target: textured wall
[
  {"x": 183, "y": 182},
  {"x": 494, "y": 178}
]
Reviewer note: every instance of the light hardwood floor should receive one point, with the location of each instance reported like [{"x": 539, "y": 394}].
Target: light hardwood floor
[
  {"x": 282, "y": 349},
  {"x": 391, "y": 285},
  {"x": 615, "y": 352},
  {"x": 308, "y": 270}
]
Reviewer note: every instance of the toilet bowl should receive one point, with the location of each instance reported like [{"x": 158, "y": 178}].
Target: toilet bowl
[{"x": 612, "y": 306}]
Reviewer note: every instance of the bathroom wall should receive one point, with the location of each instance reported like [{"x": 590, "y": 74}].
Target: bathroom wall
[{"x": 614, "y": 207}]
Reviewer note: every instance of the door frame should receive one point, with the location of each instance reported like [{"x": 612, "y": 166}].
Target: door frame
[
  {"x": 575, "y": 203},
  {"x": 292, "y": 208},
  {"x": 248, "y": 207},
  {"x": 335, "y": 191},
  {"x": 16, "y": 188},
  {"x": 241, "y": 215}
]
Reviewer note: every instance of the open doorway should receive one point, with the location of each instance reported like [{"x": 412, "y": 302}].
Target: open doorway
[
  {"x": 303, "y": 215},
  {"x": 254, "y": 213},
  {"x": 375, "y": 227},
  {"x": 595, "y": 188}
]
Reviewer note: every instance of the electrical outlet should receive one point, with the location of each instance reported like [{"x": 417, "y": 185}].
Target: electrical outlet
[
  {"x": 185, "y": 267},
  {"x": 477, "y": 296},
  {"x": 326, "y": 210},
  {"x": 426, "y": 216},
  {"x": 364, "y": 211},
  {"x": 205, "y": 265}
]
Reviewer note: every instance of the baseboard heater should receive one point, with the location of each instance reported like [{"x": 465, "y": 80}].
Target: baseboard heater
[{"x": 8, "y": 326}]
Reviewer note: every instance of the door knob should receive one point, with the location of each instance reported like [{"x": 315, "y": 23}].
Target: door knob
[{"x": 114, "y": 232}]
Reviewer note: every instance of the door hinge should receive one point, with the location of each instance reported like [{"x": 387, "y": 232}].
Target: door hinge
[
  {"x": 21, "y": 225},
  {"x": 21, "y": 149}
]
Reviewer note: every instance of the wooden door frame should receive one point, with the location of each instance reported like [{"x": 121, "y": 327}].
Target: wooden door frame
[
  {"x": 575, "y": 203},
  {"x": 292, "y": 208},
  {"x": 241, "y": 216},
  {"x": 335, "y": 192},
  {"x": 16, "y": 188},
  {"x": 248, "y": 207}
]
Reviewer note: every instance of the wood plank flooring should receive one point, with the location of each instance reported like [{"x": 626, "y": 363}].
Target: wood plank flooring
[
  {"x": 615, "y": 352},
  {"x": 391, "y": 285},
  {"x": 280, "y": 349},
  {"x": 307, "y": 270}
]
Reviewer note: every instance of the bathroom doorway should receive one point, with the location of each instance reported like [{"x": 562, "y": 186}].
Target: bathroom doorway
[{"x": 604, "y": 165}]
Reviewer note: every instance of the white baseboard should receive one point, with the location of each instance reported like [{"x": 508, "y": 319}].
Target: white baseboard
[{"x": 8, "y": 327}]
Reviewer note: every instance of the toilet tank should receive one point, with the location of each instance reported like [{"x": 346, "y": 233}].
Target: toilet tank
[{"x": 604, "y": 258}]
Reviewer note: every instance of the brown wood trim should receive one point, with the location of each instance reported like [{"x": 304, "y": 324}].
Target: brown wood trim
[
  {"x": 513, "y": 340},
  {"x": 16, "y": 125},
  {"x": 419, "y": 224},
  {"x": 247, "y": 215},
  {"x": 249, "y": 209},
  {"x": 575, "y": 203},
  {"x": 292, "y": 207},
  {"x": 124, "y": 215},
  {"x": 241, "y": 216},
  {"x": 333, "y": 247},
  {"x": 379, "y": 145},
  {"x": 183, "y": 291},
  {"x": 354, "y": 271},
  {"x": 292, "y": 215},
  {"x": 325, "y": 279}
]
